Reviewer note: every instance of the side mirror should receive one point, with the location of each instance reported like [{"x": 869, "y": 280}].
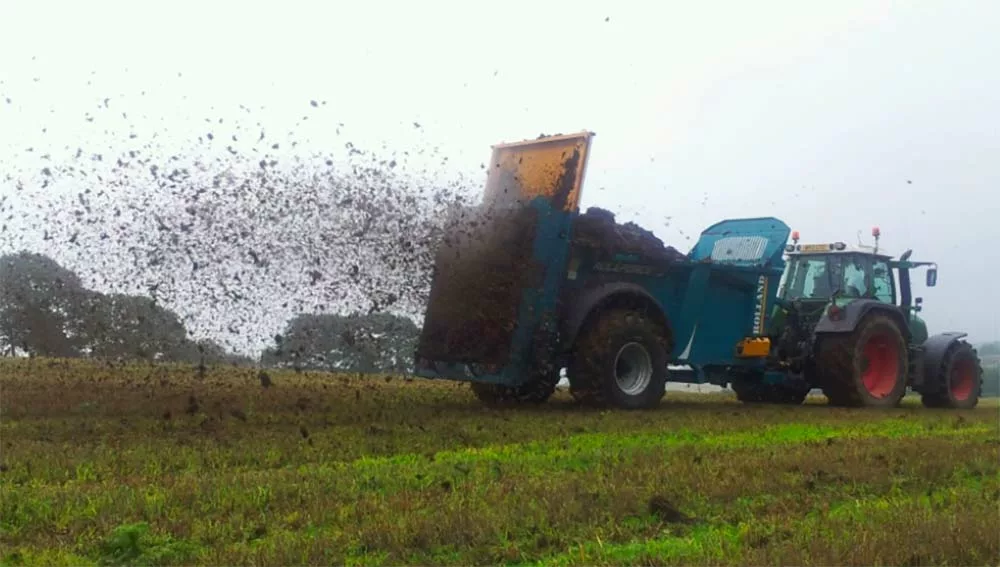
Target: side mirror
[{"x": 931, "y": 277}]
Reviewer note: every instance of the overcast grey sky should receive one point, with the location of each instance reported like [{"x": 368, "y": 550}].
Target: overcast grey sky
[{"x": 831, "y": 116}]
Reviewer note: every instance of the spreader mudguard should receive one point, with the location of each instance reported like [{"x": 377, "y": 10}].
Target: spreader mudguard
[
  {"x": 492, "y": 304},
  {"x": 737, "y": 264}
]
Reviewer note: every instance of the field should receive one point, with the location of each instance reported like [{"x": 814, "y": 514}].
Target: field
[{"x": 156, "y": 464}]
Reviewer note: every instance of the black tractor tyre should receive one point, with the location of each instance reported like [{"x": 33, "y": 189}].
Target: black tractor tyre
[
  {"x": 620, "y": 360},
  {"x": 959, "y": 379},
  {"x": 533, "y": 392},
  {"x": 755, "y": 392},
  {"x": 867, "y": 367}
]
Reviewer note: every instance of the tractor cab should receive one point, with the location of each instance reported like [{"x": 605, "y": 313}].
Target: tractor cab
[
  {"x": 820, "y": 277},
  {"x": 829, "y": 271}
]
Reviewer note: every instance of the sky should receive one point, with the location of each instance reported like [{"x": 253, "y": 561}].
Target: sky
[{"x": 834, "y": 117}]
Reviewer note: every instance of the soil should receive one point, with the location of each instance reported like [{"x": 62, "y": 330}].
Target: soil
[
  {"x": 597, "y": 229},
  {"x": 567, "y": 180}
]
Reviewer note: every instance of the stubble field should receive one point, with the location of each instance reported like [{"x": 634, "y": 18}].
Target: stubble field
[{"x": 157, "y": 464}]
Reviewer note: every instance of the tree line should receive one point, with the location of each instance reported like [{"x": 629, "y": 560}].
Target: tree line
[{"x": 46, "y": 311}]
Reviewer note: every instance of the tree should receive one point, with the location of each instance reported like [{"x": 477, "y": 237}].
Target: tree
[
  {"x": 130, "y": 326},
  {"x": 990, "y": 353},
  {"x": 37, "y": 301},
  {"x": 366, "y": 343},
  {"x": 210, "y": 353},
  {"x": 991, "y": 380},
  {"x": 379, "y": 342},
  {"x": 990, "y": 349},
  {"x": 45, "y": 311}
]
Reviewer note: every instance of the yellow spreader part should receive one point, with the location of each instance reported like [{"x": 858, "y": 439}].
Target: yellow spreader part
[{"x": 753, "y": 347}]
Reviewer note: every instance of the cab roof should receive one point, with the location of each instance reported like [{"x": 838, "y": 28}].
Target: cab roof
[{"x": 832, "y": 248}]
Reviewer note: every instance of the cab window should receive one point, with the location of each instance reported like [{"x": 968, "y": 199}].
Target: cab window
[
  {"x": 855, "y": 284},
  {"x": 808, "y": 278},
  {"x": 882, "y": 282}
]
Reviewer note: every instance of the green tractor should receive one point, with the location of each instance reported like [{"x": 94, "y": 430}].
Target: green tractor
[{"x": 839, "y": 325}]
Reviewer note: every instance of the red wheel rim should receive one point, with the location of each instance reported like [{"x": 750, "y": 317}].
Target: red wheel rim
[
  {"x": 963, "y": 378},
  {"x": 882, "y": 369}
]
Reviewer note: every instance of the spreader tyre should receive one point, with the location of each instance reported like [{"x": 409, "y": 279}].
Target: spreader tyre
[
  {"x": 620, "y": 360},
  {"x": 959, "y": 379},
  {"x": 867, "y": 367},
  {"x": 536, "y": 391}
]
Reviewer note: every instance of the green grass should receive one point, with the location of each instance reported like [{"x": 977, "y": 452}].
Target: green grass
[{"x": 116, "y": 465}]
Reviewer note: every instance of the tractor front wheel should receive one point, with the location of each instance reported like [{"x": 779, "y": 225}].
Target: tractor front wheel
[
  {"x": 867, "y": 367},
  {"x": 620, "y": 359},
  {"x": 959, "y": 379}
]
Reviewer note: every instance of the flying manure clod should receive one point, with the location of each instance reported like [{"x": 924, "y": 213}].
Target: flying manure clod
[{"x": 235, "y": 234}]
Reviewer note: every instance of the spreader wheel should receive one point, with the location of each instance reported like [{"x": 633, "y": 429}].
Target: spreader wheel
[{"x": 620, "y": 360}]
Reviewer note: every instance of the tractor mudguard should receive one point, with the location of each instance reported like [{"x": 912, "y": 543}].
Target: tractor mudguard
[
  {"x": 586, "y": 302},
  {"x": 935, "y": 349},
  {"x": 854, "y": 312}
]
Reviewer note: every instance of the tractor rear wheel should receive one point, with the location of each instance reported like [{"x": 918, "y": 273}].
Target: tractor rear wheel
[
  {"x": 867, "y": 367},
  {"x": 620, "y": 359},
  {"x": 536, "y": 391},
  {"x": 959, "y": 379}
]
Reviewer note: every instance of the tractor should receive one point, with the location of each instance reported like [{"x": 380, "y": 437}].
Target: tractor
[
  {"x": 838, "y": 325},
  {"x": 526, "y": 286}
]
